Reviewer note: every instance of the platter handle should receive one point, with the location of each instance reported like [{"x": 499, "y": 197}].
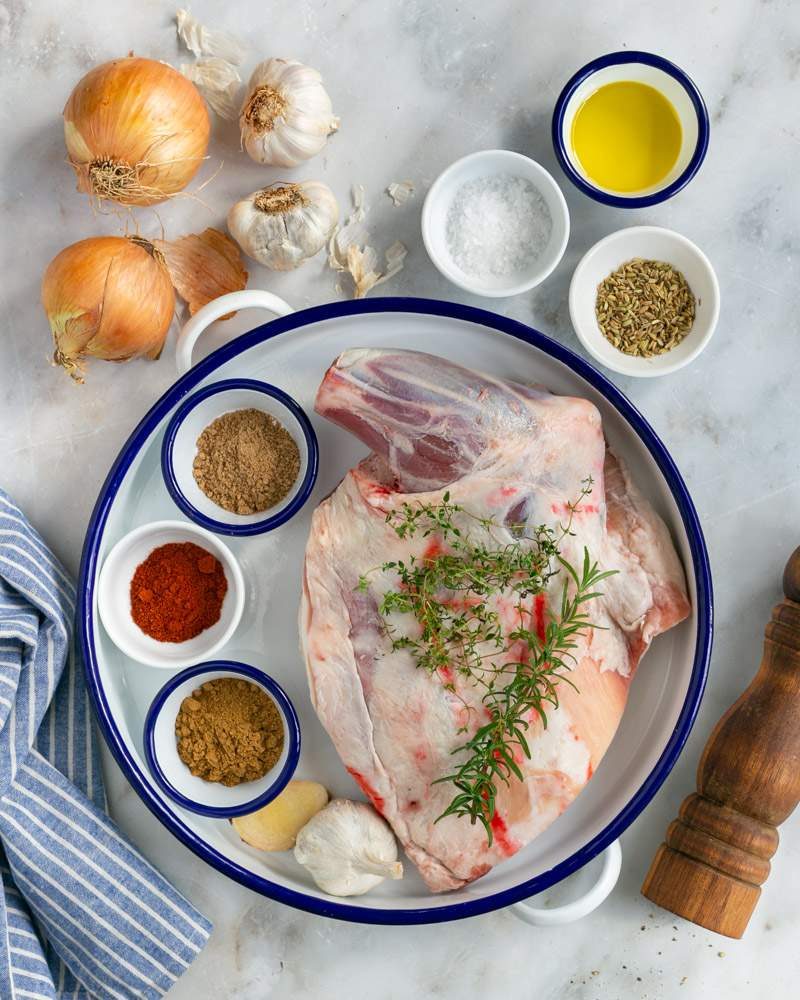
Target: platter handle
[
  {"x": 250, "y": 298},
  {"x": 581, "y": 907}
]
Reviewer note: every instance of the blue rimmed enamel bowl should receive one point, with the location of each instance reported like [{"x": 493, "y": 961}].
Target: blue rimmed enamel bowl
[
  {"x": 180, "y": 447},
  {"x": 210, "y": 798},
  {"x": 294, "y": 353},
  {"x": 669, "y": 80}
]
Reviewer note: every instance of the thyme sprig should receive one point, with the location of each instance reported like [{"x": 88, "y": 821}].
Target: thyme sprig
[{"x": 448, "y": 592}]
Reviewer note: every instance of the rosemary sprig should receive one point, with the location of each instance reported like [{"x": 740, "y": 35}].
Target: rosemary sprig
[{"x": 448, "y": 593}]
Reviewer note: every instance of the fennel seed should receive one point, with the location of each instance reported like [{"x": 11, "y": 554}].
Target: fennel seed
[{"x": 645, "y": 307}]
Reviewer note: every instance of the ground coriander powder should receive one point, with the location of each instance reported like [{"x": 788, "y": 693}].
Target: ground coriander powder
[
  {"x": 229, "y": 730},
  {"x": 246, "y": 461},
  {"x": 645, "y": 307}
]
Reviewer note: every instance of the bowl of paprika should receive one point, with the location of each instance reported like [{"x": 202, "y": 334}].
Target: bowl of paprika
[{"x": 170, "y": 594}]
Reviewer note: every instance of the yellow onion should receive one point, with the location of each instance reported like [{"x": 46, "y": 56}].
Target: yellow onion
[
  {"x": 108, "y": 297},
  {"x": 136, "y": 131}
]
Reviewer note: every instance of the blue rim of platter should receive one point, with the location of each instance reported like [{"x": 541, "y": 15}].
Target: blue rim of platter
[
  {"x": 292, "y": 736},
  {"x": 617, "y": 59},
  {"x": 231, "y": 527},
  {"x": 329, "y": 907}
]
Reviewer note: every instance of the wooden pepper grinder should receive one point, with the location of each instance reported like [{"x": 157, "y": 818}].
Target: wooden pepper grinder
[{"x": 716, "y": 854}]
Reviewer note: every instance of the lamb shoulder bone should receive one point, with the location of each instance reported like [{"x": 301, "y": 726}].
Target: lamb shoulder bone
[{"x": 515, "y": 454}]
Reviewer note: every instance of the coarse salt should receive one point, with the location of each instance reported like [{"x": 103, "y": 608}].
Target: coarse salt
[{"x": 497, "y": 225}]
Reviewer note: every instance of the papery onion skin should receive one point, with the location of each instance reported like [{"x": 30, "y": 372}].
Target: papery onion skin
[
  {"x": 136, "y": 131},
  {"x": 107, "y": 297},
  {"x": 203, "y": 266}
]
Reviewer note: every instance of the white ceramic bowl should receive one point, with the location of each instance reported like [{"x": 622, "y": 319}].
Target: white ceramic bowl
[
  {"x": 652, "y": 243},
  {"x": 656, "y": 72},
  {"x": 114, "y": 600},
  {"x": 210, "y": 798},
  {"x": 487, "y": 163},
  {"x": 179, "y": 448}
]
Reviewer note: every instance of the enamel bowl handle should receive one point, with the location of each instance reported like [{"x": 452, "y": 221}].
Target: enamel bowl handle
[
  {"x": 250, "y": 298},
  {"x": 581, "y": 907}
]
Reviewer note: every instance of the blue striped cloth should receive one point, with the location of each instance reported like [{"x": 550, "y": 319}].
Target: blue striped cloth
[{"x": 82, "y": 914}]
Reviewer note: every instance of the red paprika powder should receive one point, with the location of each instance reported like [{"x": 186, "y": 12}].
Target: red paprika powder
[{"x": 177, "y": 592}]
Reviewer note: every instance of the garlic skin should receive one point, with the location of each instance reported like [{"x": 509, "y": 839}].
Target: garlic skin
[
  {"x": 219, "y": 82},
  {"x": 203, "y": 41},
  {"x": 282, "y": 225},
  {"x": 348, "y": 849},
  {"x": 400, "y": 191},
  {"x": 287, "y": 115},
  {"x": 349, "y": 251}
]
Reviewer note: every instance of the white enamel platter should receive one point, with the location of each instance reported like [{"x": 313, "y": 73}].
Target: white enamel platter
[{"x": 293, "y": 353}]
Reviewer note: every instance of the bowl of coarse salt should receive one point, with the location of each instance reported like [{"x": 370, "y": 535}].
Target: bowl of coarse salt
[{"x": 495, "y": 223}]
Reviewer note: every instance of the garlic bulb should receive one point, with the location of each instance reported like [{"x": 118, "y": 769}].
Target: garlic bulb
[
  {"x": 287, "y": 115},
  {"x": 284, "y": 224},
  {"x": 348, "y": 849}
]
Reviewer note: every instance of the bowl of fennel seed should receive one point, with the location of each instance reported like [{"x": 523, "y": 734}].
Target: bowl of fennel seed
[{"x": 644, "y": 301}]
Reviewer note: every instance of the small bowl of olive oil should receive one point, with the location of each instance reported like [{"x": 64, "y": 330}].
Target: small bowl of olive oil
[{"x": 630, "y": 129}]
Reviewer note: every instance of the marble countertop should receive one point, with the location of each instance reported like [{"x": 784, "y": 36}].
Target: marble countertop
[{"x": 418, "y": 84}]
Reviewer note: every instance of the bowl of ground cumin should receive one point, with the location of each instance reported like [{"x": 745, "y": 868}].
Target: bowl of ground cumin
[
  {"x": 240, "y": 457},
  {"x": 222, "y": 738}
]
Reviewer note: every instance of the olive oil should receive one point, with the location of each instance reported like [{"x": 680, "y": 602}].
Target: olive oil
[{"x": 626, "y": 136}]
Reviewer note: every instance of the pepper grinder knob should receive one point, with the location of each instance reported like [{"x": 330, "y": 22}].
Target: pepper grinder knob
[
  {"x": 716, "y": 855},
  {"x": 791, "y": 577}
]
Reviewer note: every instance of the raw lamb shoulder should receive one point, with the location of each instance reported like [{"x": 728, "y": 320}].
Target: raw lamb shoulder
[{"x": 517, "y": 455}]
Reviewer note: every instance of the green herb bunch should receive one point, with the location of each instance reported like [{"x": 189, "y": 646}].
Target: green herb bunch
[{"x": 518, "y": 668}]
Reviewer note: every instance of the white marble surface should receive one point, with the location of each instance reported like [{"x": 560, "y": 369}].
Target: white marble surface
[{"x": 417, "y": 84}]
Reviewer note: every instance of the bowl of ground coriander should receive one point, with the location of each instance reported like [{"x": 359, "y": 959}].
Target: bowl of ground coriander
[
  {"x": 644, "y": 301},
  {"x": 222, "y": 738},
  {"x": 239, "y": 457}
]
